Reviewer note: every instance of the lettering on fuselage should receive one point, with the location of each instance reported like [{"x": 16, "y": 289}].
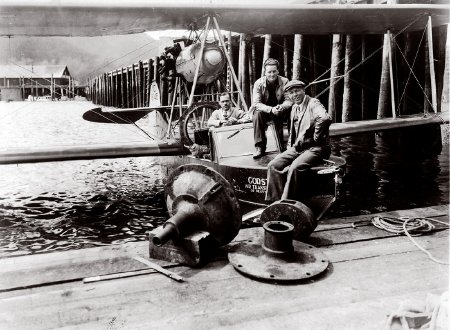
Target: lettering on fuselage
[{"x": 256, "y": 185}]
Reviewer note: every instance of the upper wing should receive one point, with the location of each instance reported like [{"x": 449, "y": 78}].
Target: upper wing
[{"x": 112, "y": 17}]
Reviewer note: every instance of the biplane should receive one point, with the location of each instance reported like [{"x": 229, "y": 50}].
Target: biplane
[{"x": 228, "y": 149}]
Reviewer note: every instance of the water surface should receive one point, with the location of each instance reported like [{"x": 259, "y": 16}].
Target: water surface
[{"x": 69, "y": 205}]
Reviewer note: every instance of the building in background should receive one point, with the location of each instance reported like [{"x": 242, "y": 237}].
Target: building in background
[{"x": 36, "y": 82}]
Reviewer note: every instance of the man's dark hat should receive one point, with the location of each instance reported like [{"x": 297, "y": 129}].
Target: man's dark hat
[{"x": 294, "y": 83}]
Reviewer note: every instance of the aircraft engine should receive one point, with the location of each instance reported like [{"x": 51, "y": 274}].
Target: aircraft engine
[{"x": 211, "y": 66}]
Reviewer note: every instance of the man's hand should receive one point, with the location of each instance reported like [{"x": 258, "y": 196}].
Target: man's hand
[
  {"x": 229, "y": 122},
  {"x": 277, "y": 110},
  {"x": 232, "y": 120}
]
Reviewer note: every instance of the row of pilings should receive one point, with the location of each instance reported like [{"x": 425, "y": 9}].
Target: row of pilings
[{"x": 350, "y": 74}]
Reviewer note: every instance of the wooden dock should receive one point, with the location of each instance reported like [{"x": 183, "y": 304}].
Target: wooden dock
[{"x": 371, "y": 273}]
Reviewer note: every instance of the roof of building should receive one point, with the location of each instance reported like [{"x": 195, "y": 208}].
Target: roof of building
[{"x": 35, "y": 71}]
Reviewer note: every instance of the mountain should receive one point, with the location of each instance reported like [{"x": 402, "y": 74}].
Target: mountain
[{"x": 84, "y": 56}]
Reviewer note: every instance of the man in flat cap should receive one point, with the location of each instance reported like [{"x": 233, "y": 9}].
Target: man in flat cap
[
  {"x": 308, "y": 143},
  {"x": 269, "y": 104}
]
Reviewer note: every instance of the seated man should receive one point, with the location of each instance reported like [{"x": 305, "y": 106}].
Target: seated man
[
  {"x": 268, "y": 105},
  {"x": 226, "y": 115},
  {"x": 308, "y": 143}
]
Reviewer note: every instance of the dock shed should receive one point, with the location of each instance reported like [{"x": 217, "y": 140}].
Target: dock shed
[{"x": 21, "y": 82}]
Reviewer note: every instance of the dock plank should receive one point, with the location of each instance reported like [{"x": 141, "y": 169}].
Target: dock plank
[
  {"x": 33, "y": 270},
  {"x": 218, "y": 296},
  {"x": 368, "y": 277}
]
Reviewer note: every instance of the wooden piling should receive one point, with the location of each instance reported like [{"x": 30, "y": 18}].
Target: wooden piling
[
  {"x": 232, "y": 67},
  {"x": 336, "y": 72},
  {"x": 364, "y": 102},
  {"x": 406, "y": 81},
  {"x": 285, "y": 58},
  {"x": 22, "y": 87},
  {"x": 347, "y": 97},
  {"x": 137, "y": 85},
  {"x": 108, "y": 88},
  {"x": 391, "y": 74},
  {"x": 51, "y": 87},
  {"x": 297, "y": 57},
  {"x": 128, "y": 87},
  {"x": 155, "y": 68},
  {"x": 113, "y": 90},
  {"x": 102, "y": 90},
  {"x": 252, "y": 68},
  {"x": 150, "y": 79},
  {"x": 431, "y": 64},
  {"x": 122, "y": 94},
  {"x": 97, "y": 90},
  {"x": 163, "y": 90},
  {"x": 229, "y": 86},
  {"x": 427, "y": 98},
  {"x": 383, "y": 100},
  {"x": 445, "y": 99},
  {"x": 243, "y": 64},
  {"x": 267, "y": 47},
  {"x": 93, "y": 90},
  {"x": 440, "y": 33},
  {"x": 134, "y": 88},
  {"x": 240, "y": 74},
  {"x": 312, "y": 64}
]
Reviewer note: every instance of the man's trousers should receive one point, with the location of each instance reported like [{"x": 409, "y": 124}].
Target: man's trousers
[{"x": 284, "y": 171}]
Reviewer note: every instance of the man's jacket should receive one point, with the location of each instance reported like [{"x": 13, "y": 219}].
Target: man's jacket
[
  {"x": 310, "y": 125},
  {"x": 261, "y": 94}
]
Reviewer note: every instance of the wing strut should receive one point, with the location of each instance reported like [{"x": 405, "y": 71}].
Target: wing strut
[{"x": 209, "y": 25}]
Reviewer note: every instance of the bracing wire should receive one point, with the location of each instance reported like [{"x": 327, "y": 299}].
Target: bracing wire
[{"x": 412, "y": 72}]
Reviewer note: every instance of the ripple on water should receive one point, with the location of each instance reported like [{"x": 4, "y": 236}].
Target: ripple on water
[{"x": 70, "y": 205}]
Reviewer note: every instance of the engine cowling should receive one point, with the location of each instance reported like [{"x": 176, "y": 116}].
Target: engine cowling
[{"x": 211, "y": 65}]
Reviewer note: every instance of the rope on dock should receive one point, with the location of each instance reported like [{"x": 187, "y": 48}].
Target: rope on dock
[{"x": 410, "y": 227}]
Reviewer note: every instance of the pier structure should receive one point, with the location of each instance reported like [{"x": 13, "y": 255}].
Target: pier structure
[
  {"x": 358, "y": 77},
  {"x": 371, "y": 274},
  {"x": 21, "y": 82}
]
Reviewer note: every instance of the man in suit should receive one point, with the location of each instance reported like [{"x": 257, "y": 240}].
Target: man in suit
[
  {"x": 268, "y": 105},
  {"x": 308, "y": 142}
]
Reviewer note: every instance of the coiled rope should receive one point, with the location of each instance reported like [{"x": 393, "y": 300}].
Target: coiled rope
[{"x": 410, "y": 227}]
